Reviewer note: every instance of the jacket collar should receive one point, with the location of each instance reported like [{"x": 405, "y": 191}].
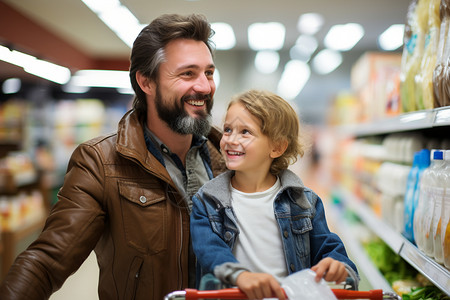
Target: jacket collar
[{"x": 220, "y": 189}]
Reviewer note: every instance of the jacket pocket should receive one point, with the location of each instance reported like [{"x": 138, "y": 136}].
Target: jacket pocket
[
  {"x": 144, "y": 215},
  {"x": 300, "y": 230},
  {"x": 133, "y": 278}
]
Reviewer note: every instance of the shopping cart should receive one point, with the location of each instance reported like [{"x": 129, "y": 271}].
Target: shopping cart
[
  {"x": 301, "y": 283},
  {"x": 235, "y": 293}
]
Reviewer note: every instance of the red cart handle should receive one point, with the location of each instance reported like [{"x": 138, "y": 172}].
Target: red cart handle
[{"x": 235, "y": 293}]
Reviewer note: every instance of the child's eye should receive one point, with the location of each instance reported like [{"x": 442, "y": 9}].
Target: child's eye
[
  {"x": 226, "y": 130},
  {"x": 245, "y": 131}
]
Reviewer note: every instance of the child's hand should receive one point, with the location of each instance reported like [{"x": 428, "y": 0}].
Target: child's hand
[
  {"x": 330, "y": 270},
  {"x": 259, "y": 286}
]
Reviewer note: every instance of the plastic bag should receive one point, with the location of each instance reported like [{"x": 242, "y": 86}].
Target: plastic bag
[{"x": 303, "y": 286}]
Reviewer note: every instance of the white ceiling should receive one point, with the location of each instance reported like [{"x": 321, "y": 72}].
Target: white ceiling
[{"x": 74, "y": 22}]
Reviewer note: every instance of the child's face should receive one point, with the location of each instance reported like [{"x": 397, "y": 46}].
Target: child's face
[{"x": 244, "y": 147}]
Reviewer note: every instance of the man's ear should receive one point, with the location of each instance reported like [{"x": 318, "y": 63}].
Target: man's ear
[
  {"x": 278, "y": 148},
  {"x": 145, "y": 83}
]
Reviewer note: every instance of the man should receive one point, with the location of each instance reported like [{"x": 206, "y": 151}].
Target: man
[{"x": 127, "y": 195}]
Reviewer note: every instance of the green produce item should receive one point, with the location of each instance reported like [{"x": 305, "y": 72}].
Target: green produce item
[
  {"x": 390, "y": 264},
  {"x": 425, "y": 293}
]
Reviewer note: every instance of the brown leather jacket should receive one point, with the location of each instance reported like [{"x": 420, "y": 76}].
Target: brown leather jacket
[{"x": 120, "y": 201}]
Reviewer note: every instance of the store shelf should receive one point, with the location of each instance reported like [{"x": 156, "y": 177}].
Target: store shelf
[
  {"x": 417, "y": 120},
  {"x": 436, "y": 273},
  {"x": 354, "y": 247}
]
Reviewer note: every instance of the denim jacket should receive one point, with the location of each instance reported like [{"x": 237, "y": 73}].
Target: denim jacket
[{"x": 300, "y": 215}]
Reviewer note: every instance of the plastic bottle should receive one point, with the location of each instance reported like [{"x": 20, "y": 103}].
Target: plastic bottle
[
  {"x": 441, "y": 179},
  {"x": 445, "y": 214},
  {"x": 419, "y": 192},
  {"x": 433, "y": 193},
  {"x": 411, "y": 182}
]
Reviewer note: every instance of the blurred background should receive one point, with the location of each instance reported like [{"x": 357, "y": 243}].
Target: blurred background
[{"x": 359, "y": 73}]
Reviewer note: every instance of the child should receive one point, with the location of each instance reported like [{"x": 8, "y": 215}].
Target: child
[{"x": 257, "y": 223}]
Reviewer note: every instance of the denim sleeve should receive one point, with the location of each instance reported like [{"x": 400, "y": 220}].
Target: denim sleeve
[
  {"x": 210, "y": 249},
  {"x": 325, "y": 243}
]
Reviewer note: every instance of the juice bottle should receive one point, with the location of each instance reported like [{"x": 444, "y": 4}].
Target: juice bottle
[
  {"x": 445, "y": 214},
  {"x": 425, "y": 92},
  {"x": 433, "y": 193},
  {"x": 439, "y": 194},
  {"x": 409, "y": 198},
  {"x": 420, "y": 194}
]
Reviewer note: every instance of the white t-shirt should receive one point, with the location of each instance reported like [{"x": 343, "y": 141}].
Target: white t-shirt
[{"x": 259, "y": 246}]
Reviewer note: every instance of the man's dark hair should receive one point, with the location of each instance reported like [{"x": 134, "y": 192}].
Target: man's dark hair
[{"x": 148, "y": 48}]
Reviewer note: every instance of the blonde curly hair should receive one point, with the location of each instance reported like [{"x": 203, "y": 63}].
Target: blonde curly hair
[{"x": 279, "y": 122}]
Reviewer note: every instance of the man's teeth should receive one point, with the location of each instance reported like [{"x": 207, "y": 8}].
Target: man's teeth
[
  {"x": 234, "y": 153},
  {"x": 196, "y": 102}
]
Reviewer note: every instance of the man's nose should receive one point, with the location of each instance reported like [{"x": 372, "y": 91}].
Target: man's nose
[{"x": 203, "y": 85}]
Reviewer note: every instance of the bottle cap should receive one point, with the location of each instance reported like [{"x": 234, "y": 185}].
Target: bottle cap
[{"x": 438, "y": 155}]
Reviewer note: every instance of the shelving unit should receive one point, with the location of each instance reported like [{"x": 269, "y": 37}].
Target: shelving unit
[
  {"x": 436, "y": 273},
  {"x": 432, "y": 120},
  {"x": 418, "y": 120}
]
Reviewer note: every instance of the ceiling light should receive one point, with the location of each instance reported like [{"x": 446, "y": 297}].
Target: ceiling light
[
  {"x": 49, "y": 71},
  {"x": 310, "y": 23},
  {"x": 303, "y": 48},
  {"x": 101, "y": 78},
  {"x": 267, "y": 61},
  {"x": 266, "y": 36},
  {"x": 224, "y": 37},
  {"x": 117, "y": 17},
  {"x": 344, "y": 37},
  {"x": 326, "y": 61},
  {"x": 37, "y": 67},
  {"x": 11, "y": 85},
  {"x": 392, "y": 38},
  {"x": 295, "y": 75}
]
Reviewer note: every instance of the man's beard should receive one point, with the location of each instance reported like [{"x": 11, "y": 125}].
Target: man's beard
[{"x": 179, "y": 120}]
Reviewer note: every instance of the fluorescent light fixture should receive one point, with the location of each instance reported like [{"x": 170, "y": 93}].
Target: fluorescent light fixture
[
  {"x": 266, "y": 36},
  {"x": 326, "y": 61},
  {"x": 37, "y": 67},
  {"x": 49, "y": 71},
  {"x": 310, "y": 23},
  {"x": 101, "y": 78},
  {"x": 98, "y": 6},
  {"x": 267, "y": 61},
  {"x": 11, "y": 85},
  {"x": 392, "y": 38},
  {"x": 295, "y": 75},
  {"x": 224, "y": 37},
  {"x": 117, "y": 17},
  {"x": 344, "y": 37},
  {"x": 304, "y": 47}
]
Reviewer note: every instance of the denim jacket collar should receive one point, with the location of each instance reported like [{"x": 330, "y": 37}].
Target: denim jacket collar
[{"x": 219, "y": 189}]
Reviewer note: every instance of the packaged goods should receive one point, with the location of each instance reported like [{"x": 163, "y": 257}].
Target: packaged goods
[
  {"x": 409, "y": 42},
  {"x": 423, "y": 42},
  {"x": 440, "y": 91},
  {"x": 424, "y": 80}
]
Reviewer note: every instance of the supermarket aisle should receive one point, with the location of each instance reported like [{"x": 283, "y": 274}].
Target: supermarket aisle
[{"x": 82, "y": 284}]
